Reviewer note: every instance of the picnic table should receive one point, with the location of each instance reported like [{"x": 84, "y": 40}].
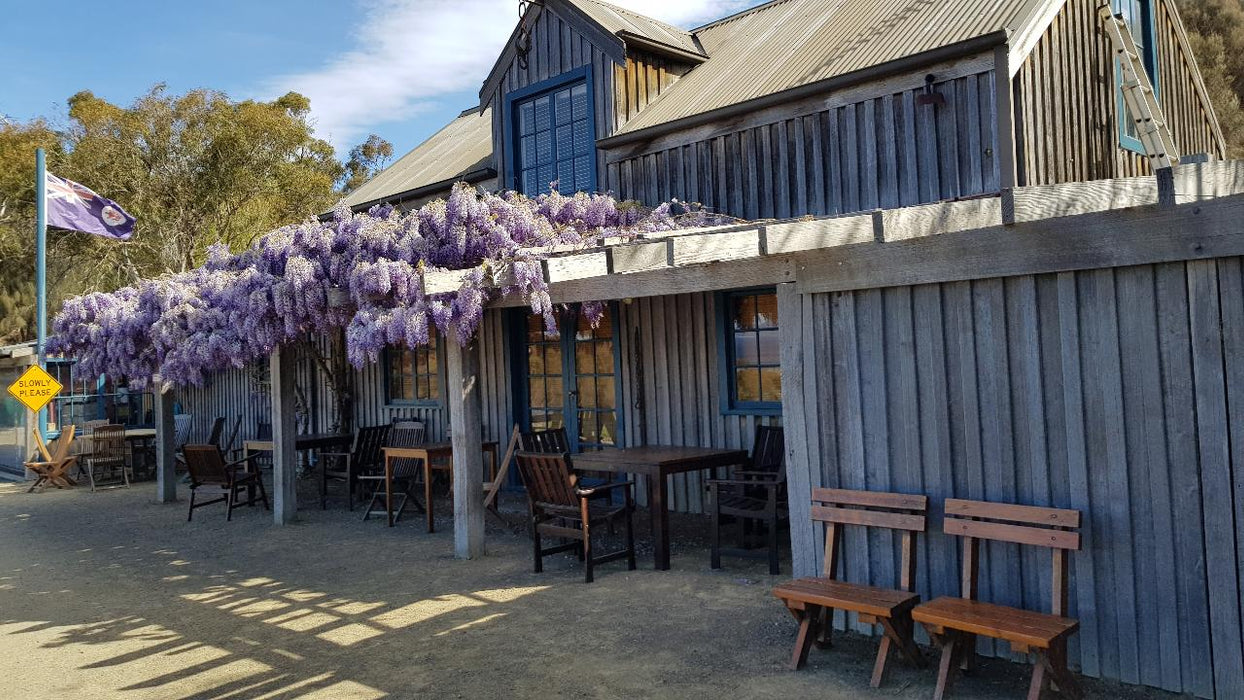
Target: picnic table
[
  {"x": 658, "y": 462},
  {"x": 441, "y": 451}
]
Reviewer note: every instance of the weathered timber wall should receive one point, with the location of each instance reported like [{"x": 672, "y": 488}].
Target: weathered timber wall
[
  {"x": 1067, "y": 118},
  {"x": 1118, "y": 392},
  {"x": 880, "y": 152}
]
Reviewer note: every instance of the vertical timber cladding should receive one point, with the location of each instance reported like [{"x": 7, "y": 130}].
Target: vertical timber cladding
[
  {"x": 1117, "y": 391},
  {"x": 1066, "y": 107},
  {"x": 874, "y": 146}
]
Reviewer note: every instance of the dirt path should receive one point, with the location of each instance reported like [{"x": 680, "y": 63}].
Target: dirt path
[{"x": 109, "y": 595}]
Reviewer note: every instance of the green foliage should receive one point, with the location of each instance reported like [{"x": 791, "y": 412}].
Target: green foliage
[
  {"x": 1216, "y": 30},
  {"x": 366, "y": 159},
  {"x": 195, "y": 169}
]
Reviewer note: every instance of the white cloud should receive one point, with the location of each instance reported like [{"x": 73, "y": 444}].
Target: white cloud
[{"x": 406, "y": 53}]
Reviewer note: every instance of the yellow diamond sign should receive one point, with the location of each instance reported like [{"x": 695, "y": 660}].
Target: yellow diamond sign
[{"x": 35, "y": 388}]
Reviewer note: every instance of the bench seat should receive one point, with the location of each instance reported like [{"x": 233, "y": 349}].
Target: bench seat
[
  {"x": 1023, "y": 628},
  {"x": 840, "y": 595}
]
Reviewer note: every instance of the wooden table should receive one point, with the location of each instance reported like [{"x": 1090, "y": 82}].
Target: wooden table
[
  {"x": 433, "y": 451},
  {"x": 141, "y": 436},
  {"x": 658, "y": 462},
  {"x": 313, "y": 441}
]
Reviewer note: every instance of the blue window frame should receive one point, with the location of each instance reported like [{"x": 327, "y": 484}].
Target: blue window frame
[
  {"x": 415, "y": 377},
  {"x": 749, "y": 349},
  {"x": 553, "y": 135},
  {"x": 1139, "y": 17}
]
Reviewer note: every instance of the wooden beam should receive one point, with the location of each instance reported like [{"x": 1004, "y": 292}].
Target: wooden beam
[
  {"x": 795, "y": 236},
  {"x": 466, "y": 417},
  {"x": 166, "y": 462},
  {"x": 1139, "y": 236},
  {"x": 800, "y": 461},
  {"x": 282, "y": 368}
]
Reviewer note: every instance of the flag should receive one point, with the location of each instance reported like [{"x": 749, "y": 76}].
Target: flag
[{"x": 77, "y": 208}]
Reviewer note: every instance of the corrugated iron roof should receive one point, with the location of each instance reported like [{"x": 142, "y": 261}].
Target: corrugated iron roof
[
  {"x": 614, "y": 19},
  {"x": 462, "y": 147},
  {"x": 789, "y": 43}
]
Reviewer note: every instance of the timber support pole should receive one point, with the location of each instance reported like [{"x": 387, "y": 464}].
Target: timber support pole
[
  {"x": 165, "y": 445},
  {"x": 281, "y": 367},
  {"x": 467, "y": 433}
]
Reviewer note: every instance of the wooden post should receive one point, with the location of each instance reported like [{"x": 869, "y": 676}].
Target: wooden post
[
  {"x": 802, "y": 472},
  {"x": 166, "y": 465},
  {"x": 281, "y": 366},
  {"x": 466, "y": 416}
]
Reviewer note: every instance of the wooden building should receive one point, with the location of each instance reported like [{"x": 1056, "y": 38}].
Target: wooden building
[{"x": 922, "y": 314}]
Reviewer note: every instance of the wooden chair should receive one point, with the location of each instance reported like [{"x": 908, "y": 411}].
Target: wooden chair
[
  {"x": 406, "y": 472},
  {"x": 812, "y": 601},
  {"x": 954, "y": 623},
  {"x": 364, "y": 457},
  {"x": 230, "y": 445},
  {"x": 218, "y": 429},
  {"x": 755, "y": 493},
  {"x": 107, "y": 457},
  {"x": 208, "y": 468},
  {"x": 54, "y": 466},
  {"x": 558, "y": 507},
  {"x": 555, "y": 441}
]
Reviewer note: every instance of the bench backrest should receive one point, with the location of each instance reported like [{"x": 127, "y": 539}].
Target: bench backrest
[
  {"x": 894, "y": 511},
  {"x": 1056, "y": 528}
]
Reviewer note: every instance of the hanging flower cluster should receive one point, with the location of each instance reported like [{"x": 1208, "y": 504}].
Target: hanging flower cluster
[{"x": 238, "y": 308}]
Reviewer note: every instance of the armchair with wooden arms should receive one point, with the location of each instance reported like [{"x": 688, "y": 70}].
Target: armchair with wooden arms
[
  {"x": 558, "y": 507},
  {"x": 555, "y": 441},
  {"x": 753, "y": 494},
  {"x": 364, "y": 457},
  {"x": 208, "y": 468}
]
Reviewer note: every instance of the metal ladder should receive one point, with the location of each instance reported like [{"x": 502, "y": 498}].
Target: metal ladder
[{"x": 1151, "y": 128}]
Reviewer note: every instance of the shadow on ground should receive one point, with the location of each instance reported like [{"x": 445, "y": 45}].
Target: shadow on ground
[{"x": 111, "y": 595}]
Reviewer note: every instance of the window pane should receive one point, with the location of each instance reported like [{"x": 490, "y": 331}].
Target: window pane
[
  {"x": 581, "y": 142},
  {"x": 526, "y": 118},
  {"x": 545, "y": 178},
  {"x": 770, "y": 352},
  {"x": 744, "y": 312},
  {"x": 535, "y": 360},
  {"x": 766, "y": 311},
  {"x": 747, "y": 384},
  {"x": 587, "y": 426},
  {"x": 528, "y": 155},
  {"x": 579, "y": 98},
  {"x": 555, "y": 419},
  {"x": 529, "y": 182},
  {"x": 553, "y": 394},
  {"x": 584, "y": 358},
  {"x": 542, "y": 113},
  {"x": 565, "y": 177},
  {"x": 582, "y": 174},
  {"x": 434, "y": 384},
  {"x": 771, "y": 384},
  {"x": 553, "y": 359},
  {"x": 562, "y": 106},
  {"x": 587, "y": 392},
  {"x": 544, "y": 149},
  {"x": 535, "y": 328},
  {"x": 422, "y": 391},
  {"x": 433, "y": 356},
  {"x": 605, "y": 393},
  {"x": 537, "y": 393},
  {"x": 746, "y": 350},
  {"x": 608, "y": 421},
  {"x": 604, "y": 356}
]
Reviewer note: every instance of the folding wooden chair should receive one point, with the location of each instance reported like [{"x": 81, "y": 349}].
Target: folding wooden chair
[{"x": 56, "y": 462}]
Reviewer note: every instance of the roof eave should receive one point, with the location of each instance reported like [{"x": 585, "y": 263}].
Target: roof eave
[
  {"x": 631, "y": 39},
  {"x": 471, "y": 177},
  {"x": 905, "y": 64}
]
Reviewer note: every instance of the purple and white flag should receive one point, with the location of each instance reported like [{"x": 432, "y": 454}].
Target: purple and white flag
[{"x": 77, "y": 208}]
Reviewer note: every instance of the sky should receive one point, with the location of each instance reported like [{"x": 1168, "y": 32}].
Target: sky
[{"x": 398, "y": 68}]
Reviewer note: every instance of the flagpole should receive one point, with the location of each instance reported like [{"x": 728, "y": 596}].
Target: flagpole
[{"x": 41, "y": 281}]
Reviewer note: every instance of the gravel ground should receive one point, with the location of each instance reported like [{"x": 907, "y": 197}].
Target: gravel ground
[{"x": 110, "y": 595}]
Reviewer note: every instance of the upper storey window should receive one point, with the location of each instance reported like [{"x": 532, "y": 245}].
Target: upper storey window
[
  {"x": 1139, "y": 17},
  {"x": 553, "y": 138}
]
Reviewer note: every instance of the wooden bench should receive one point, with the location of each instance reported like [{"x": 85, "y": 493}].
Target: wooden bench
[
  {"x": 812, "y": 601},
  {"x": 954, "y": 623}
]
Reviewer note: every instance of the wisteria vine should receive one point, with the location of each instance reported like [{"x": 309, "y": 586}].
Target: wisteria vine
[{"x": 359, "y": 271}]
